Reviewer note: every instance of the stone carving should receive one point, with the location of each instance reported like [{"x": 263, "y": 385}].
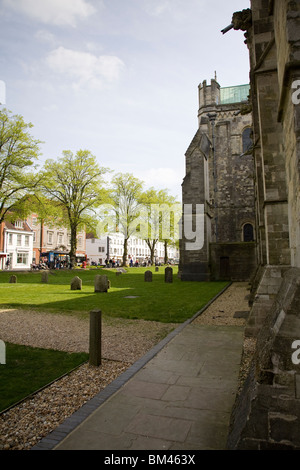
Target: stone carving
[{"x": 242, "y": 19}]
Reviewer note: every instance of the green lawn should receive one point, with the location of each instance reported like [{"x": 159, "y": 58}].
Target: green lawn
[
  {"x": 156, "y": 301},
  {"x": 29, "y": 369}
]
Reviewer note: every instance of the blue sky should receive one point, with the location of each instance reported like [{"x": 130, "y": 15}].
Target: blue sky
[{"x": 118, "y": 77}]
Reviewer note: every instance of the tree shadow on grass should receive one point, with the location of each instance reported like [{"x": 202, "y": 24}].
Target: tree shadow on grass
[{"x": 129, "y": 296}]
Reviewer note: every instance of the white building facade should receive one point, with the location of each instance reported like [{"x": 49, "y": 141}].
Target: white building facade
[
  {"x": 111, "y": 247},
  {"x": 18, "y": 245}
]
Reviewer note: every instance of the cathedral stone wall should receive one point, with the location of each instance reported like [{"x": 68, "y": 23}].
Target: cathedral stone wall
[
  {"x": 267, "y": 411},
  {"x": 219, "y": 175}
]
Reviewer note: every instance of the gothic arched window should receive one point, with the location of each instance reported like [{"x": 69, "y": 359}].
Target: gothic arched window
[
  {"x": 246, "y": 138},
  {"x": 248, "y": 233}
]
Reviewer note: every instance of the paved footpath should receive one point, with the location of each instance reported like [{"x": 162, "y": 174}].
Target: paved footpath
[{"x": 179, "y": 397}]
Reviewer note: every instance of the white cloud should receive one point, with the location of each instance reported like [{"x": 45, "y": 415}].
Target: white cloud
[
  {"x": 45, "y": 37},
  {"x": 85, "y": 68},
  {"x": 157, "y": 8},
  {"x": 174, "y": 9},
  {"x": 162, "y": 178},
  {"x": 57, "y": 12}
]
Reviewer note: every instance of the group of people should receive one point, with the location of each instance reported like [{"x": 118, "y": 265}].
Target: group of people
[
  {"x": 112, "y": 263},
  {"x": 146, "y": 262}
]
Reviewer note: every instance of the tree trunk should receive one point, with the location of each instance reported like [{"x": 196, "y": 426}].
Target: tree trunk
[
  {"x": 73, "y": 246},
  {"x": 152, "y": 253},
  {"x": 125, "y": 251},
  {"x": 166, "y": 251},
  {"x": 151, "y": 244}
]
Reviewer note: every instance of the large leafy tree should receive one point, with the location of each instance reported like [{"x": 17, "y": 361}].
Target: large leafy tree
[
  {"x": 151, "y": 201},
  {"x": 162, "y": 214},
  {"x": 125, "y": 198},
  {"x": 75, "y": 184},
  {"x": 19, "y": 152}
]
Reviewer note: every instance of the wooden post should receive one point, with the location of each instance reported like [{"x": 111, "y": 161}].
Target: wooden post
[{"x": 95, "y": 337}]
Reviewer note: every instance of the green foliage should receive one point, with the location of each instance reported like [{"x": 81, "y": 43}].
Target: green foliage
[
  {"x": 75, "y": 184},
  {"x": 162, "y": 216},
  {"x": 124, "y": 200},
  {"x": 18, "y": 153}
]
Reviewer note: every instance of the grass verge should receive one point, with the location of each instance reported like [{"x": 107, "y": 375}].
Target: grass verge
[
  {"x": 29, "y": 369},
  {"x": 129, "y": 296}
]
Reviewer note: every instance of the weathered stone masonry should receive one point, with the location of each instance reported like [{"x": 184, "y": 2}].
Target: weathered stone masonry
[
  {"x": 219, "y": 175},
  {"x": 267, "y": 412}
]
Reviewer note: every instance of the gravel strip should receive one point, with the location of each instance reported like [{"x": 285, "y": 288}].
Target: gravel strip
[{"x": 123, "y": 342}]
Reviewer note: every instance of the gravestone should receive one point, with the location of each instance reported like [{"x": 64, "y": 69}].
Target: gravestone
[
  {"x": 45, "y": 276},
  {"x": 148, "y": 276},
  {"x": 101, "y": 283},
  {"x": 156, "y": 269},
  {"x": 118, "y": 273},
  {"x": 13, "y": 279},
  {"x": 76, "y": 283},
  {"x": 168, "y": 274}
]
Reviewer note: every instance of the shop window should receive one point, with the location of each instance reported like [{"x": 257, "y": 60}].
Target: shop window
[{"x": 22, "y": 258}]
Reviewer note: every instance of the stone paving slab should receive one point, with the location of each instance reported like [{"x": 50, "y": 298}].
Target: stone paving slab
[{"x": 181, "y": 399}]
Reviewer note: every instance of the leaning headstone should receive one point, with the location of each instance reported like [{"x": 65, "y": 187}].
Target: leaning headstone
[
  {"x": 76, "y": 283},
  {"x": 101, "y": 283},
  {"x": 148, "y": 276},
  {"x": 45, "y": 276},
  {"x": 168, "y": 274},
  {"x": 13, "y": 279}
]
